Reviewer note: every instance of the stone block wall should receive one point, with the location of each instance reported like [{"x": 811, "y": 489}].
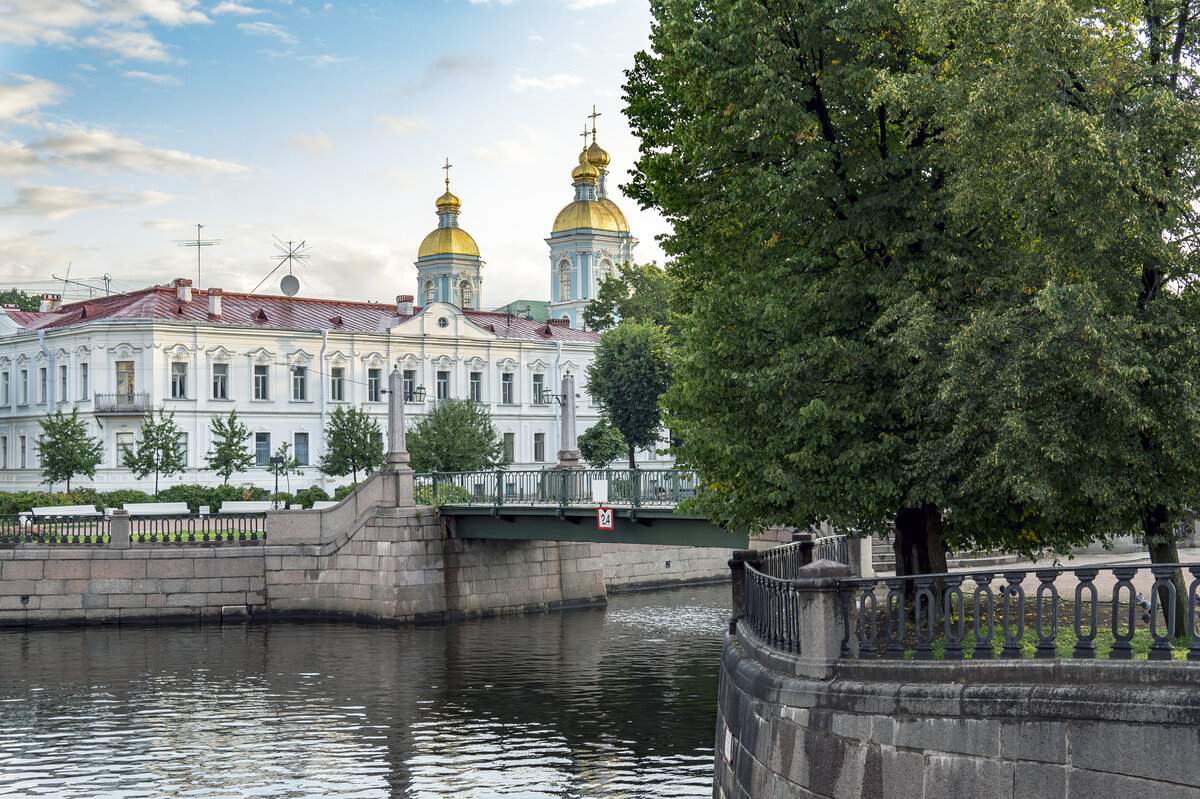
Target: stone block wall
[
  {"x": 945, "y": 730},
  {"x": 636, "y": 566},
  {"x": 505, "y": 576}
]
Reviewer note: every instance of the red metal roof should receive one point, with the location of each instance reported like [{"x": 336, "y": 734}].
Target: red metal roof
[{"x": 255, "y": 310}]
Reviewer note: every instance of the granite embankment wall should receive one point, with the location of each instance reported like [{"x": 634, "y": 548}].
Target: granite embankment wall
[{"x": 791, "y": 726}]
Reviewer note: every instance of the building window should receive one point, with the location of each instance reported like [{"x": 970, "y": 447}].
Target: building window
[
  {"x": 539, "y": 447},
  {"x": 62, "y": 382},
  {"x": 430, "y": 292},
  {"x": 476, "y": 386},
  {"x": 510, "y": 446},
  {"x": 5, "y": 396},
  {"x": 41, "y": 384},
  {"x": 261, "y": 385},
  {"x": 300, "y": 448},
  {"x": 21, "y": 444},
  {"x": 539, "y": 383},
  {"x": 299, "y": 383},
  {"x": 564, "y": 281},
  {"x": 125, "y": 379},
  {"x": 183, "y": 447},
  {"x": 23, "y": 396},
  {"x": 83, "y": 381},
  {"x": 262, "y": 449},
  {"x": 466, "y": 294},
  {"x": 178, "y": 380},
  {"x": 374, "y": 385},
  {"x": 3, "y": 452},
  {"x": 337, "y": 384},
  {"x": 410, "y": 383},
  {"x": 443, "y": 385},
  {"x": 124, "y": 445},
  {"x": 506, "y": 388},
  {"x": 220, "y": 381}
]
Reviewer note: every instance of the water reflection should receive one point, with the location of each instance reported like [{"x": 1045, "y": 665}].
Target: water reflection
[{"x": 617, "y": 702}]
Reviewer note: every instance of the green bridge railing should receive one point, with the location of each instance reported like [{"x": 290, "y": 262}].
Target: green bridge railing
[{"x": 620, "y": 487}]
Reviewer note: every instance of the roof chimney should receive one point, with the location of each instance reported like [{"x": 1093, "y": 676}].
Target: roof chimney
[
  {"x": 214, "y": 302},
  {"x": 183, "y": 287},
  {"x": 404, "y": 304},
  {"x": 560, "y": 322},
  {"x": 50, "y": 303}
]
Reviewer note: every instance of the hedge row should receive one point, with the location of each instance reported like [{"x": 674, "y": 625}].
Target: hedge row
[{"x": 193, "y": 495}]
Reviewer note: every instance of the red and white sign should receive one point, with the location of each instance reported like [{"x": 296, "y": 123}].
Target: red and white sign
[
  {"x": 604, "y": 518},
  {"x": 728, "y": 746}
]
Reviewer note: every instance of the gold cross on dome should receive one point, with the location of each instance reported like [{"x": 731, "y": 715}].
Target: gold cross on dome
[
  {"x": 592, "y": 116},
  {"x": 585, "y": 135},
  {"x": 447, "y": 168}
]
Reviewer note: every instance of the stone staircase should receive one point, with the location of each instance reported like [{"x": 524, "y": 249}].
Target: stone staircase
[{"x": 884, "y": 559}]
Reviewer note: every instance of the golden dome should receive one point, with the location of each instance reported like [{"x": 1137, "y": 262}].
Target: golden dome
[
  {"x": 592, "y": 215},
  {"x": 448, "y": 202},
  {"x": 448, "y": 241},
  {"x": 596, "y": 155},
  {"x": 585, "y": 171}
]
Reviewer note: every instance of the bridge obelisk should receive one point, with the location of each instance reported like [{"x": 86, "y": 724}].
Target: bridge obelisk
[
  {"x": 397, "y": 455},
  {"x": 568, "y": 455}
]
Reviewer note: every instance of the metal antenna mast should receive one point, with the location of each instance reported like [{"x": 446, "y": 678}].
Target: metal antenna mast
[
  {"x": 198, "y": 243},
  {"x": 290, "y": 253}
]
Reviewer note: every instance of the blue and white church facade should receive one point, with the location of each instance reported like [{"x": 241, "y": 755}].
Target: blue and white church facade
[{"x": 449, "y": 268}]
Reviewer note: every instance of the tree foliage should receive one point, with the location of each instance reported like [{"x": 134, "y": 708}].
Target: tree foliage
[
  {"x": 934, "y": 263},
  {"x": 629, "y": 373},
  {"x": 65, "y": 450},
  {"x": 601, "y": 444},
  {"x": 455, "y": 436},
  {"x": 26, "y": 302},
  {"x": 157, "y": 448},
  {"x": 353, "y": 443},
  {"x": 640, "y": 293},
  {"x": 230, "y": 450}
]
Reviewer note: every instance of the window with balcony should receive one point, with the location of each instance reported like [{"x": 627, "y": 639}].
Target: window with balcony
[
  {"x": 539, "y": 447},
  {"x": 506, "y": 388},
  {"x": 510, "y": 447},
  {"x": 262, "y": 449},
  {"x": 299, "y": 383},
  {"x": 125, "y": 383},
  {"x": 262, "y": 383},
  {"x": 476, "y": 384},
  {"x": 443, "y": 385},
  {"x": 178, "y": 380},
  {"x": 220, "y": 381},
  {"x": 337, "y": 384},
  {"x": 539, "y": 383},
  {"x": 374, "y": 385},
  {"x": 300, "y": 448}
]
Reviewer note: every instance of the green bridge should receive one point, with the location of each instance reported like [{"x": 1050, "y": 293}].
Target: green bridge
[{"x": 624, "y": 506}]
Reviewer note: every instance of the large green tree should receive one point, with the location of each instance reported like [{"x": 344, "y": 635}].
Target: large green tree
[
  {"x": 640, "y": 293},
  {"x": 455, "y": 436},
  {"x": 629, "y": 373},
  {"x": 601, "y": 444},
  {"x": 353, "y": 443},
  {"x": 158, "y": 448},
  {"x": 26, "y": 302},
  {"x": 230, "y": 452},
  {"x": 65, "y": 450}
]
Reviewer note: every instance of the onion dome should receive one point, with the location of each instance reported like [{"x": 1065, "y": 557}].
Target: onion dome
[
  {"x": 448, "y": 241},
  {"x": 596, "y": 154},
  {"x": 585, "y": 171},
  {"x": 448, "y": 202},
  {"x": 590, "y": 215}
]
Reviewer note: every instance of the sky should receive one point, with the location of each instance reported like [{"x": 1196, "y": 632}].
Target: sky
[{"x": 124, "y": 124}]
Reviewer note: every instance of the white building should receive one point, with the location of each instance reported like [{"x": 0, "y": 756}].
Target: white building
[{"x": 286, "y": 362}]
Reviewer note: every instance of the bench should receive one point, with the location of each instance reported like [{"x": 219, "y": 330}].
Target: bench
[
  {"x": 260, "y": 506},
  {"x": 67, "y": 510},
  {"x": 157, "y": 508}
]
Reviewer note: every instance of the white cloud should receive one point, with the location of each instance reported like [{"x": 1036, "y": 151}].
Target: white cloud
[
  {"x": 17, "y": 99},
  {"x": 403, "y": 126},
  {"x": 107, "y": 25},
  {"x": 60, "y": 202},
  {"x": 579, "y": 5},
  {"x": 313, "y": 145},
  {"x": 521, "y": 83},
  {"x": 533, "y": 37},
  {"x": 16, "y": 157},
  {"x": 133, "y": 45},
  {"x": 266, "y": 29},
  {"x": 161, "y": 80},
  {"x": 102, "y": 151},
  {"x": 236, "y": 8},
  {"x": 489, "y": 2},
  {"x": 321, "y": 60},
  {"x": 527, "y": 147}
]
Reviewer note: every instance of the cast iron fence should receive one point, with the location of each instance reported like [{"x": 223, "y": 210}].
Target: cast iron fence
[
  {"x": 188, "y": 528},
  {"x": 16, "y": 528},
  {"x": 625, "y": 487}
]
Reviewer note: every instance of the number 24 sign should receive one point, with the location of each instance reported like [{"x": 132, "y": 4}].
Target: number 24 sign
[{"x": 604, "y": 518}]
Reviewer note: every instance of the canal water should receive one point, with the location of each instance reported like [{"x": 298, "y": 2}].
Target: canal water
[{"x": 613, "y": 702}]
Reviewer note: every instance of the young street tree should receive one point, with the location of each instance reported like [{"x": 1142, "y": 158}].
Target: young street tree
[
  {"x": 629, "y": 373},
  {"x": 65, "y": 450},
  {"x": 230, "y": 451},
  {"x": 456, "y": 436},
  {"x": 157, "y": 448},
  {"x": 601, "y": 444},
  {"x": 288, "y": 466},
  {"x": 641, "y": 293},
  {"x": 353, "y": 443}
]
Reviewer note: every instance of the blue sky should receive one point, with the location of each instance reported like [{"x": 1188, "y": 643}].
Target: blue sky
[{"x": 124, "y": 124}]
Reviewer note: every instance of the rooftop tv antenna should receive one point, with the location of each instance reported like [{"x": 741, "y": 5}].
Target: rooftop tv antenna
[
  {"x": 198, "y": 243},
  {"x": 290, "y": 253}
]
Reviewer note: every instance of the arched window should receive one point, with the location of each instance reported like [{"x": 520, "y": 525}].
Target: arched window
[
  {"x": 604, "y": 272},
  {"x": 466, "y": 294},
  {"x": 430, "y": 292},
  {"x": 564, "y": 281}
]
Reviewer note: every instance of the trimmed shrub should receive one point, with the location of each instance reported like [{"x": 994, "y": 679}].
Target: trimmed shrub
[
  {"x": 446, "y": 493},
  {"x": 341, "y": 493},
  {"x": 307, "y": 496},
  {"x": 115, "y": 499}
]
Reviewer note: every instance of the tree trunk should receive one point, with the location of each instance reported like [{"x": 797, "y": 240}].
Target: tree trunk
[
  {"x": 1160, "y": 542},
  {"x": 632, "y": 465},
  {"x": 918, "y": 543}
]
